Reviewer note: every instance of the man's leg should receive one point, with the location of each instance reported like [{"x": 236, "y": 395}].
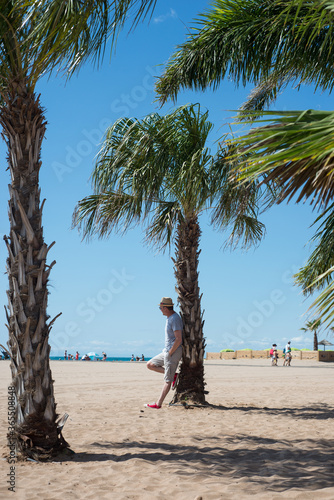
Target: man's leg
[
  {"x": 156, "y": 364},
  {"x": 168, "y": 368},
  {"x": 164, "y": 392},
  {"x": 171, "y": 364},
  {"x": 155, "y": 368}
]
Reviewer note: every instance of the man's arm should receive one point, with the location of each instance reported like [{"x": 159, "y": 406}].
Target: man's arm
[{"x": 177, "y": 341}]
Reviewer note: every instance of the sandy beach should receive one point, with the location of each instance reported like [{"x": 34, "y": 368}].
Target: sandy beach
[{"x": 268, "y": 434}]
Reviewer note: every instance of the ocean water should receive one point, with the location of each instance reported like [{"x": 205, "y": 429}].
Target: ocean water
[{"x": 116, "y": 358}]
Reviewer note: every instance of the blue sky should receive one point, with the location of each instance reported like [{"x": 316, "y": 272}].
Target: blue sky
[{"x": 108, "y": 290}]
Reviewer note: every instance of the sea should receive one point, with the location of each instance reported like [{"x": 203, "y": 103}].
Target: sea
[{"x": 109, "y": 358}]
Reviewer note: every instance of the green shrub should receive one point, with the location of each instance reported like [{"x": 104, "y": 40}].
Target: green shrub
[{"x": 226, "y": 350}]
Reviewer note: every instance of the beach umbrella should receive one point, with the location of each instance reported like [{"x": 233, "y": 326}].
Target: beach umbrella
[
  {"x": 93, "y": 354},
  {"x": 324, "y": 343}
]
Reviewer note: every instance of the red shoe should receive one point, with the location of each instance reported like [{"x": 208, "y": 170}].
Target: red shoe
[
  {"x": 152, "y": 405},
  {"x": 174, "y": 381}
]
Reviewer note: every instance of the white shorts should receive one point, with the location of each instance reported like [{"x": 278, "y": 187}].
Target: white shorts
[{"x": 168, "y": 362}]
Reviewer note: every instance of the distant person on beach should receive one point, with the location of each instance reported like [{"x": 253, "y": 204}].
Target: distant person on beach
[
  {"x": 65, "y": 355},
  {"x": 104, "y": 356},
  {"x": 142, "y": 357},
  {"x": 273, "y": 355},
  {"x": 287, "y": 354},
  {"x": 77, "y": 356},
  {"x": 132, "y": 357},
  {"x": 167, "y": 361}
]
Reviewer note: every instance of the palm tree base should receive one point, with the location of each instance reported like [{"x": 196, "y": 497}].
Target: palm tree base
[
  {"x": 41, "y": 444},
  {"x": 187, "y": 401},
  {"x": 190, "y": 386}
]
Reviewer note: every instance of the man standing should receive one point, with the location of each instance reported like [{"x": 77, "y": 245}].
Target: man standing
[
  {"x": 287, "y": 354},
  {"x": 166, "y": 362},
  {"x": 288, "y": 347}
]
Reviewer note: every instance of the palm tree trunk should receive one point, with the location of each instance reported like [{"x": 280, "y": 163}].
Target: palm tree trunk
[
  {"x": 315, "y": 341},
  {"x": 190, "y": 387},
  {"x": 36, "y": 434}
]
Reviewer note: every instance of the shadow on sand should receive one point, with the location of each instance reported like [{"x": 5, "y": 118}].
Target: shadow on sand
[
  {"x": 318, "y": 412},
  {"x": 295, "y": 464},
  {"x": 301, "y": 464}
]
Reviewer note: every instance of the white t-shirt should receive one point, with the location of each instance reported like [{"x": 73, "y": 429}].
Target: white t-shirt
[{"x": 173, "y": 323}]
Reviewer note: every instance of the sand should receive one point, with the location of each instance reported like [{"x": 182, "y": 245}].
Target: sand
[{"x": 268, "y": 434}]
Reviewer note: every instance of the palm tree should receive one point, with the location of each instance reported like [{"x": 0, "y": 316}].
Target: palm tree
[
  {"x": 35, "y": 38},
  {"x": 313, "y": 326},
  {"x": 159, "y": 171},
  {"x": 272, "y": 43}
]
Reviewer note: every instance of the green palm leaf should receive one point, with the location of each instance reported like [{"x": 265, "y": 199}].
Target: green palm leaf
[
  {"x": 264, "y": 94},
  {"x": 325, "y": 301},
  {"x": 237, "y": 204},
  {"x": 243, "y": 40},
  {"x": 44, "y": 35},
  {"x": 106, "y": 212},
  {"x": 161, "y": 230},
  {"x": 87, "y": 27},
  {"x": 322, "y": 258},
  {"x": 296, "y": 151}
]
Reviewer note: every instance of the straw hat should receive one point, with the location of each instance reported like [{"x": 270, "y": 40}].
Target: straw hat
[{"x": 166, "y": 301}]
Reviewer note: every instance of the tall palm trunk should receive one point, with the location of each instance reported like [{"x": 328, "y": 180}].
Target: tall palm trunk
[
  {"x": 315, "y": 341},
  {"x": 36, "y": 434},
  {"x": 190, "y": 387}
]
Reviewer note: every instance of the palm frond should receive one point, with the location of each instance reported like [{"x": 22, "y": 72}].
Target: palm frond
[
  {"x": 244, "y": 231},
  {"x": 236, "y": 204},
  {"x": 163, "y": 223},
  {"x": 324, "y": 304},
  {"x": 100, "y": 214},
  {"x": 296, "y": 152},
  {"x": 11, "y": 63},
  {"x": 322, "y": 258},
  {"x": 64, "y": 34},
  {"x": 39, "y": 36},
  {"x": 264, "y": 94},
  {"x": 245, "y": 39},
  {"x": 312, "y": 325}
]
